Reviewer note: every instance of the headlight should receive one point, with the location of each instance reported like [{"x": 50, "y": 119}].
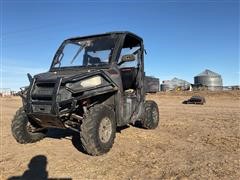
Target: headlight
[
  {"x": 86, "y": 83},
  {"x": 90, "y": 82}
]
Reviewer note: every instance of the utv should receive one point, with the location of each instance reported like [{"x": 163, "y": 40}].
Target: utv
[{"x": 95, "y": 84}]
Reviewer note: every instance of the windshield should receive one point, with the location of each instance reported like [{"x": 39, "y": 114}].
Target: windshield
[{"x": 85, "y": 52}]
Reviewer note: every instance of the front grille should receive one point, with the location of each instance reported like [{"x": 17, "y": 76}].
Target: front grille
[
  {"x": 43, "y": 91},
  {"x": 46, "y": 95},
  {"x": 41, "y": 108}
]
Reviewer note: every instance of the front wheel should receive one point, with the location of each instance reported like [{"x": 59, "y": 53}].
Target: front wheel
[
  {"x": 151, "y": 117},
  {"x": 22, "y": 130},
  {"x": 98, "y": 130}
]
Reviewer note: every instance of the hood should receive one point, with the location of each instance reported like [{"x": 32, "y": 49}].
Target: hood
[{"x": 66, "y": 75}]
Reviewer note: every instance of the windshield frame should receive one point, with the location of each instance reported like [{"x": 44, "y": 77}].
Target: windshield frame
[{"x": 72, "y": 40}]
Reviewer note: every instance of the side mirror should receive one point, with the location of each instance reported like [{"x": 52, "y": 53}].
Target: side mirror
[{"x": 127, "y": 58}]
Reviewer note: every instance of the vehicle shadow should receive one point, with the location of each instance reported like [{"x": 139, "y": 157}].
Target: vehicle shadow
[
  {"x": 138, "y": 124},
  {"x": 73, "y": 136},
  {"x": 67, "y": 134},
  {"x": 76, "y": 142},
  {"x": 119, "y": 129},
  {"x": 59, "y": 133},
  {"x": 37, "y": 170}
]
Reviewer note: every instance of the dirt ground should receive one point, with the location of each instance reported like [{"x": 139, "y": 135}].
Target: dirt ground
[{"x": 191, "y": 142}]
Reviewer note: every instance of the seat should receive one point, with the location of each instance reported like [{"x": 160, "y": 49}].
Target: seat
[
  {"x": 89, "y": 60},
  {"x": 129, "y": 77}
]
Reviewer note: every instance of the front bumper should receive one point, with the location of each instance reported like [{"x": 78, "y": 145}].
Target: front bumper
[
  {"x": 41, "y": 103},
  {"x": 47, "y": 104},
  {"x": 47, "y": 120}
]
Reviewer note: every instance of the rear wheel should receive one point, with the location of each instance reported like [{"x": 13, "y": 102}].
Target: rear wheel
[
  {"x": 98, "y": 130},
  {"x": 23, "y": 130},
  {"x": 151, "y": 118}
]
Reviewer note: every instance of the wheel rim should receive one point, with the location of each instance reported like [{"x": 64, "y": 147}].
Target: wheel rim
[
  {"x": 30, "y": 128},
  {"x": 105, "y": 130}
]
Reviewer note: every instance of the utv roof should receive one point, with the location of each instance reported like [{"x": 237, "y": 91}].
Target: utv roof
[{"x": 109, "y": 33}]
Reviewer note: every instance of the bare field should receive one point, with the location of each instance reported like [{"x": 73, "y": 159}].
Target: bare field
[{"x": 191, "y": 142}]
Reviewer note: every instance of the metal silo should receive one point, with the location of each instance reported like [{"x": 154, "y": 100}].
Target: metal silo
[
  {"x": 165, "y": 85},
  {"x": 210, "y": 79},
  {"x": 169, "y": 85}
]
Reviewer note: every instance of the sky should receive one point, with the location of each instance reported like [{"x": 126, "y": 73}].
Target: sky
[{"x": 182, "y": 38}]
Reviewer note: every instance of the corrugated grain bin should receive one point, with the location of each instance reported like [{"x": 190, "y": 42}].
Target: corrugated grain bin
[
  {"x": 169, "y": 85},
  {"x": 165, "y": 85},
  {"x": 208, "y": 78},
  {"x": 151, "y": 84}
]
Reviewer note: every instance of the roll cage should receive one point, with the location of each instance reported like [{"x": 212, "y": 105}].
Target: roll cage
[{"x": 123, "y": 39}]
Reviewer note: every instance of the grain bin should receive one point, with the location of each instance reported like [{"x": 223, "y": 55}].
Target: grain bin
[
  {"x": 208, "y": 78},
  {"x": 175, "y": 83}
]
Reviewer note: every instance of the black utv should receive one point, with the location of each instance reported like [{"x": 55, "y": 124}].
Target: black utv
[{"x": 95, "y": 84}]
